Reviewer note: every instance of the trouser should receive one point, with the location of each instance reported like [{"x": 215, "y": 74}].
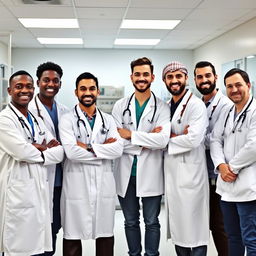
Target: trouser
[
  {"x": 216, "y": 223},
  {"x": 195, "y": 251},
  {"x": 56, "y": 224},
  {"x": 104, "y": 247},
  {"x": 151, "y": 209},
  {"x": 240, "y": 226}
]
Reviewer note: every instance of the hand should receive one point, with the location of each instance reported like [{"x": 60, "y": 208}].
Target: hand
[
  {"x": 41, "y": 147},
  {"x": 124, "y": 133},
  {"x": 185, "y": 131},
  {"x": 109, "y": 140},
  {"x": 52, "y": 143},
  {"x": 172, "y": 135},
  {"x": 226, "y": 173},
  {"x": 81, "y": 144},
  {"x": 157, "y": 129}
]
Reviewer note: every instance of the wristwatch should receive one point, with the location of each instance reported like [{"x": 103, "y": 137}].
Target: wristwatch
[{"x": 89, "y": 147}]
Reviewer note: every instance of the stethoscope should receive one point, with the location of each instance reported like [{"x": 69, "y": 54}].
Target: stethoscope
[
  {"x": 103, "y": 129},
  {"x": 183, "y": 109},
  {"x": 213, "y": 109},
  {"x": 25, "y": 126},
  {"x": 38, "y": 110},
  {"x": 241, "y": 118},
  {"x": 129, "y": 111}
]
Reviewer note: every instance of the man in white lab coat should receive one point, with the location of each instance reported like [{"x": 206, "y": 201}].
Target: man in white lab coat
[
  {"x": 90, "y": 140},
  {"x": 26, "y": 147},
  {"x": 186, "y": 178},
  {"x": 233, "y": 151},
  {"x": 205, "y": 79},
  {"x": 44, "y": 106},
  {"x": 143, "y": 121}
]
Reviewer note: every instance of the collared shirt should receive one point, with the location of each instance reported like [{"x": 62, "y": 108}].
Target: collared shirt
[{"x": 91, "y": 119}]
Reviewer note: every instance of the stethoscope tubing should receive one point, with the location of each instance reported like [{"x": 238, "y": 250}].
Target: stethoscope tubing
[
  {"x": 25, "y": 126},
  {"x": 104, "y": 130},
  {"x": 127, "y": 109}
]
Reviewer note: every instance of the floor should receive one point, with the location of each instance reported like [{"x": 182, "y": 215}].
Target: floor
[{"x": 166, "y": 247}]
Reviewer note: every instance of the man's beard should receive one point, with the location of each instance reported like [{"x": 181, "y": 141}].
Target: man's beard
[
  {"x": 176, "y": 92},
  {"x": 206, "y": 91},
  {"x": 87, "y": 104},
  {"x": 141, "y": 90}
]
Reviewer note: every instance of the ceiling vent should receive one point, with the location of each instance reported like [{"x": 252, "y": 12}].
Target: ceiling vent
[{"x": 42, "y": 2}]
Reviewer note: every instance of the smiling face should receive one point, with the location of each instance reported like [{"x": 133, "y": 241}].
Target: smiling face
[
  {"x": 237, "y": 89},
  {"x": 21, "y": 91},
  {"x": 87, "y": 92},
  {"x": 205, "y": 80},
  {"x": 49, "y": 84},
  {"x": 175, "y": 82},
  {"x": 142, "y": 78}
]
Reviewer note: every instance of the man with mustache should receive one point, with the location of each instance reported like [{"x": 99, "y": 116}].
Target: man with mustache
[
  {"x": 215, "y": 101},
  {"x": 90, "y": 140},
  {"x": 45, "y": 106},
  {"x": 186, "y": 179},
  {"x": 143, "y": 121},
  {"x": 233, "y": 150}
]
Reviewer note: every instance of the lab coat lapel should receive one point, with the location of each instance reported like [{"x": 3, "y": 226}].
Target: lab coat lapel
[
  {"x": 97, "y": 125},
  {"x": 177, "y": 112},
  {"x": 214, "y": 103},
  {"x": 149, "y": 109},
  {"x": 47, "y": 119},
  {"x": 83, "y": 129},
  {"x": 133, "y": 114},
  {"x": 27, "y": 133}
]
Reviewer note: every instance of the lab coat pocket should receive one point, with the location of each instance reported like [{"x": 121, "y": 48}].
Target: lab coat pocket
[
  {"x": 108, "y": 184},
  {"x": 20, "y": 194},
  {"x": 189, "y": 175},
  {"x": 22, "y": 229}
]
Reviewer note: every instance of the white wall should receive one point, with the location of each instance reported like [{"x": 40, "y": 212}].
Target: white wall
[
  {"x": 235, "y": 44},
  {"x": 111, "y": 66},
  {"x": 3, "y": 53}
]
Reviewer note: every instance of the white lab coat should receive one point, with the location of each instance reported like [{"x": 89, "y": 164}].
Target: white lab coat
[
  {"x": 25, "y": 225},
  {"x": 186, "y": 178},
  {"x": 145, "y": 145},
  {"x": 237, "y": 149},
  {"x": 214, "y": 110},
  {"x": 61, "y": 109},
  {"x": 88, "y": 190}
]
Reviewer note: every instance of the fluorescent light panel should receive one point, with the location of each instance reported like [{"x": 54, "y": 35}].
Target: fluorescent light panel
[
  {"x": 250, "y": 57},
  {"x": 136, "y": 41},
  {"x": 47, "y": 40},
  {"x": 149, "y": 24},
  {"x": 49, "y": 23}
]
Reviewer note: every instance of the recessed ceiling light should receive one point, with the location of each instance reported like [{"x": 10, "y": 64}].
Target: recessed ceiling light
[
  {"x": 250, "y": 57},
  {"x": 49, "y": 23},
  {"x": 47, "y": 40},
  {"x": 149, "y": 24},
  {"x": 123, "y": 41}
]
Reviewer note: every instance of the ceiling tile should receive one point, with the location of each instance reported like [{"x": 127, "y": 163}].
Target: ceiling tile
[
  {"x": 157, "y": 13},
  {"x": 101, "y": 3},
  {"x": 100, "y": 13}
]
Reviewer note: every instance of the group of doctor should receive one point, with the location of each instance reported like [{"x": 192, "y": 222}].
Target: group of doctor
[{"x": 56, "y": 164}]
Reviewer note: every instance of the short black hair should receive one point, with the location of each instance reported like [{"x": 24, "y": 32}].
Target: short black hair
[
  {"x": 203, "y": 64},
  {"x": 233, "y": 71},
  {"x": 48, "y": 66},
  {"x": 20, "y": 73},
  {"x": 87, "y": 75},
  {"x": 142, "y": 61}
]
